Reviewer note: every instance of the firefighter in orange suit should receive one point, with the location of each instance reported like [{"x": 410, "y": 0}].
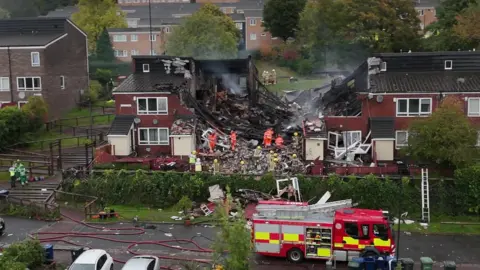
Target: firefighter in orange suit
[
  {"x": 279, "y": 141},
  {"x": 267, "y": 137},
  {"x": 233, "y": 139},
  {"x": 212, "y": 141}
]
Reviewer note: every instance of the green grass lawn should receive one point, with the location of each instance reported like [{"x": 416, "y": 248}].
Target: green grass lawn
[
  {"x": 44, "y": 138},
  {"x": 84, "y": 118},
  {"x": 283, "y": 75},
  {"x": 4, "y": 177},
  {"x": 436, "y": 226}
]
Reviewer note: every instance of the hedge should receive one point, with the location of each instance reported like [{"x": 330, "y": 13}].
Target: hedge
[
  {"x": 164, "y": 189},
  {"x": 22, "y": 255},
  {"x": 15, "y": 125},
  {"x": 116, "y": 68}
]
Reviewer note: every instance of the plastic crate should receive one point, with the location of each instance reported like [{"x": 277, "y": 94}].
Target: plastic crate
[
  {"x": 426, "y": 263},
  {"x": 449, "y": 265}
]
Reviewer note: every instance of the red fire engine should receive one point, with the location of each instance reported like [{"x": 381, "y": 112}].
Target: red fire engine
[{"x": 298, "y": 231}]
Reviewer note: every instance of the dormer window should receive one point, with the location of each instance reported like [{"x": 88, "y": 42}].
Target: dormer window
[
  {"x": 448, "y": 64},
  {"x": 383, "y": 66},
  {"x": 146, "y": 68}
]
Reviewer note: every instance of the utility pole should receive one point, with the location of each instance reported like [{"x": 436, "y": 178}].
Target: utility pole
[{"x": 150, "y": 20}]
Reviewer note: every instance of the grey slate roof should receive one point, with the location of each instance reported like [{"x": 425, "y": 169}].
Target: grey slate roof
[
  {"x": 121, "y": 125},
  {"x": 30, "y": 31},
  {"x": 237, "y": 17},
  {"x": 139, "y": 29},
  {"x": 151, "y": 82},
  {"x": 253, "y": 13},
  {"x": 382, "y": 127},
  {"x": 159, "y": 21}
]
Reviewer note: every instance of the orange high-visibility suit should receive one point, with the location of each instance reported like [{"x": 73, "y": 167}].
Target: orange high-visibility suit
[
  {"x": 279, "y": 141},
  {"x": 267, "y": 137},
  {"x": 233, "y": 139},
  {"x": 212, "y": 141}
]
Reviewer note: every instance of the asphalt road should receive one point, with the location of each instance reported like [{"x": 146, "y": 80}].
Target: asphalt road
[{"x": 461, "y": 249}]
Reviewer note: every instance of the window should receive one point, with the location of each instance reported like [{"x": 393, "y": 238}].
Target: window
[
  {"x": 151, "y": 265},
  {"x": 153, "y": 37},
  {"x": 414, "y": 106},
  {"x": 101, "y": 261},
  {"x": 29, "y": 84},
  {"x": 153, "y": 136},
  {"x": 153, "y": 52},
  {"x": 20, "y": 104},
  {"x": 146, "y": 68},
  {"x": 383, "y": 66},
  {"x": 401, "y": 138},
  {"x": 121, "y": 53},
  {"x": 420, "y": 12},
  {"x": 474, "y": 107},
  {"x": 134, "y": 38},
  {"x": 35, "y": 59},
  {"x": 134, "y": 52},
  {"x": 253, "y": 36},
  {"x": 448, "y": 64},
  {"x": 167, "y": 29},
  {"x": 239, "y": 25},
  {"x": 157, "y": 105},
  {"x": 365, "y": 231},
  {"x": 380, "y": 231},
  {"x": 4, "y": 84},
  {"x": 351, "y": 229},
  {"x": 119, "y": 38},
  {"x": 240, "y": 11},
  {"x": 253, "y": 22},
  {"x": 62, "y": 82}
]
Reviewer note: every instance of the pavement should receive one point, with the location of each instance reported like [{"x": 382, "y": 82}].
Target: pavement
[{"x": 463, "y": 250}]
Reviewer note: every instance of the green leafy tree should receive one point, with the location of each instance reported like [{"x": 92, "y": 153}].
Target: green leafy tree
[
  {"x": 94, "y": 16},
  {"x": 29, "y": 253},
  {"x": 20, "y": 8},
  {"x": 280, "y": 17},
  {"x": 36, "y": 109},
  {"x": 4, "y": 14},
  {"x": 233, "y": 246},
  {"x": 104, "y": 50},
  {"x": 207, "y": 34},
  {"x": 467, "y": 184},
  {"x": 447, "y": 138},
  {"x": 467, "y": 24}
]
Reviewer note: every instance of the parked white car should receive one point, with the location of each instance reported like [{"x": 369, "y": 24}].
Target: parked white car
[
  {"x": 93, "y": 259},
  {"x": 142, "y": 262}
]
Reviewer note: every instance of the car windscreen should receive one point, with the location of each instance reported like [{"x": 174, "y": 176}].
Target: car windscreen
[{"x": 82, "y": 266}]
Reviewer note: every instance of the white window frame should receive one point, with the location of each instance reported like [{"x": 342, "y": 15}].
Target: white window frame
[
  {"x": 21, "y": 102},
  {"x": 253, "y": 36},
  {"x": 39, "y": 88},
  {"x": 156, "y": 112},
  {"x": 153, "y": 52},
  {"x": 134, "y": 52},
  {"x": 253, "y": 22},
  {"x": 159, "y": 142},
  {"x": 420, "y": 12},
  {"x": 413, "y": 114},
  {"x": 134, "y": 37},
  {"x": 62, "y": 82},
  {"x": 4, "y": 84},
  {"x": 124, "y": 53},
  {"x": 119, "y": 38},
  {"x": 146, "y": 68},
  {"x": 239, "y": 25},
  {"x": 240, "y": 11},
  {"x": 153, "y": 37},
  {"x": 473, "y": 113},
  {"x": 397, "y": 145},
  {"x": 450, "y": 62},
  {"x": 383, "y": 66},
  {"x": 32, "y": 55},
  {"x": 167, "y": 29}
]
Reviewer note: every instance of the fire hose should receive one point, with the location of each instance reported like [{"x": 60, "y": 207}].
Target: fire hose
[{"x": 61, "y": 237}]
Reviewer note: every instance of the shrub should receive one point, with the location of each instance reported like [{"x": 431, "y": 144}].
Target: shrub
[
  {"x": 36, "y": 109},
  {"x": 305, "y": 67},
  {"x": 94, "y": 90},
  {"x": 27, "y": 254},
  {"x": 15, "y": 125},
  {"x": 122, "y": 166}
]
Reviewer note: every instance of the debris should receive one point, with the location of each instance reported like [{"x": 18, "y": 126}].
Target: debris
[{"x": 216, "y": 193}]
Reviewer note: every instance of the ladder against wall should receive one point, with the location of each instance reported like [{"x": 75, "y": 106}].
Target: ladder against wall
[{"x": 425, "y": 196}]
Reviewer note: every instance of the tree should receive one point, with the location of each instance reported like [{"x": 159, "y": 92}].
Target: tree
[
  {"x": 36, "y": 109},
  {"x": 233, "y": 246},
  {"x": 4, "y": 14},
  {"x": 94, "y": 16},
  {"x": 207, "y": 34},
  {"x": 20, "y": 8},
  {"x": 280, "y": 17},
  {"x": 446, "y": 138},
  {"x": 467, "y": 25},
  {"x": 104, "y": 50}
]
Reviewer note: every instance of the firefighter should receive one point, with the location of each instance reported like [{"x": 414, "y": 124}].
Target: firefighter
[
  {"x": 216, "y": 166},
  {"x": 267, "y": 137},
  {"x": 13, "y": 179},
  {"x": 274, "y": 75},
  {"x": 212, "y": 141},
  {"x": 279, "y": 141},
  {"x": 270, "y": 155},
  {"x": 191, "y": 160},
  {"x": 272, "y": 164},
  {"x": 257, "y": 152},
  {"x": 198, "y": 165},
  {"x": 233, "y": 139},
  {"x": 243, "y": 167},
  {"x": 296, "y": 140},
  {"x": 23, "y": 174},
  {"x": 17, "y": 170}
]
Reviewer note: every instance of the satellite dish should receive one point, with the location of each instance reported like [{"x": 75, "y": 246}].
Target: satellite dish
[
  {"x": 379, "y": 98},
  {"x": 148, "y": 149},
  {"x": 21, "y": 95},
  {"x": 137, "y": 120},
  {"x": 155, "y": 121}
]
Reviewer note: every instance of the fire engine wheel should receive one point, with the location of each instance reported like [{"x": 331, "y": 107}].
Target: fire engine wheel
[{"x": 295, "y": 255}]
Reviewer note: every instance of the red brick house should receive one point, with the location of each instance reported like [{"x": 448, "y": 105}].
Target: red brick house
[{"x": 393, "y": 89}]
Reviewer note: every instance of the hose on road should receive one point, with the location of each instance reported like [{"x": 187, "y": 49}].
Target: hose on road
[{"x": 116, "y": 231}]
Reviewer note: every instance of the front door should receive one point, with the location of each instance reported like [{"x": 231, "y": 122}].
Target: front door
[{"x": 351, "y": 236}]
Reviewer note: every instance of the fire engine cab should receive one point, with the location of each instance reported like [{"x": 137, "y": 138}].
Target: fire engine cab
[{"x": 300, "y": 231}]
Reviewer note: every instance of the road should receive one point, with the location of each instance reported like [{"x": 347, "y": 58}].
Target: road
[{"x": 461, "y": 249}]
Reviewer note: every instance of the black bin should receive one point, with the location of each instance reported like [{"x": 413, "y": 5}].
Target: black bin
[
  {"x": 407, "y": 264},
  {"x": 76, "y": 253},
  {"x": 449, "y": 265}
]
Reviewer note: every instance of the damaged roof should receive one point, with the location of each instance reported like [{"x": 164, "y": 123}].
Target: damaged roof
[
  {"x": 183, "y": 125},
  {"x": 152, "y": 82},
  {"x": 382, "y": 127},
  {"x": 121, "y": 125},
  {"x": 314, "y": 128}
]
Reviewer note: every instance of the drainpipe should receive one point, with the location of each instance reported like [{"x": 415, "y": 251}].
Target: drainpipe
[{"x": 10, "y": 73}]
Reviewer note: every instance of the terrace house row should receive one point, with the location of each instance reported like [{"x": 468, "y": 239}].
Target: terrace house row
[
  {"x": 43, "y": 57},
  {"x": 393, "y": 89},
  {"x": 153, "y": 117}
]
